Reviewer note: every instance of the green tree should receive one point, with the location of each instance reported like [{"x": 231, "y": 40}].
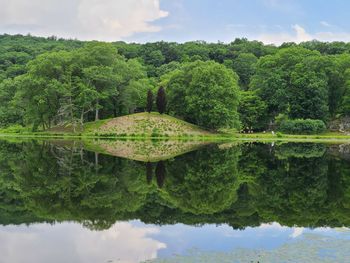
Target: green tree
[
  {"x": 102, "y": 80},
  {"x": 295, "y": 82},
  {"x": 205, "y": 93},
  {"x": 149, "y": 100},
  {"x": 244, "y": 66},
  {"x": 345, "y": 100},
  {"x": 40, "y": 90},
  {"x": 252, "y": 110}
]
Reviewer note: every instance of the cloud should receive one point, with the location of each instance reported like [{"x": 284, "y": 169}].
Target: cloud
[
  {"x": 69, "y": 242},
  {"x": 297, "y": 231},
  {"x": 106, "y": 20},
  {"x": 326, "y": 24},
  {"x": 299, "y": 34}
]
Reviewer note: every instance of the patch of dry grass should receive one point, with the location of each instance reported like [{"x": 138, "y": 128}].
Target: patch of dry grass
[{"x": 150, "y": 125}]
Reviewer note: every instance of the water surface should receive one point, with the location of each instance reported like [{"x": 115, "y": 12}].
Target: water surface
[{"x": 165, "y": 201}]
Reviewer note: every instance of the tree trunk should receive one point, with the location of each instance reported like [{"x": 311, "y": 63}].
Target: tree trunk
[
  {"x": 97, "y": 112},
  {"x": 96, "y": 162}
]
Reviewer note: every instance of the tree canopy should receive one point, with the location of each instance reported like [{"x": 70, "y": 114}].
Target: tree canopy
[
  {"x": 205, "y": 93},
  {"x": 48, "y": 81}
]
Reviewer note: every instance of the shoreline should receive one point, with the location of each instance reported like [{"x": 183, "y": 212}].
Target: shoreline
[{"x": 258, "y": 137}]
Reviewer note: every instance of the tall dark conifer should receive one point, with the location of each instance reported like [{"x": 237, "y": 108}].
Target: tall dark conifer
[
  {"x": 149, "y": 172},
  {"x": 149, "y": 101},
  {"x": 161, "y": 100},
  {"x": 160, "y": 173}
]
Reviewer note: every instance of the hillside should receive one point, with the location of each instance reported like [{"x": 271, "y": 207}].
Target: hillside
[{"x": 145, "y": 124}]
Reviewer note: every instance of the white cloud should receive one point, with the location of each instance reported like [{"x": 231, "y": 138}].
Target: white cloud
[
  {"x": 69, "y": 242},
  {"x": 273, "y": 225},
  {"x": 297, "y": 231},
  {"x": 299, "y": 34},
  {"x": 326, "y": 24},
  {"x": 107, "y": 20}
]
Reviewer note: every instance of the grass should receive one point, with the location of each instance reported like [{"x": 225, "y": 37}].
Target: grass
[
  {"x": 142, "y": 126},
  {"x": 147, "y": 125}
]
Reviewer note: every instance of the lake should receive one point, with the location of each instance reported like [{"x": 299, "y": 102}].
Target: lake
[{"x": 173, "y": 201}]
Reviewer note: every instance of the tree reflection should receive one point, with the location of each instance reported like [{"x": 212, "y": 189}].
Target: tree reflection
[
  {"x": 293, "y": 184},
  {"x": 160, "y": 173},
  {"x": 149, "y": 172}
]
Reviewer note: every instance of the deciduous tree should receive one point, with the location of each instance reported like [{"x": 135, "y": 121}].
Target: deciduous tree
[{"x": 149, "y": 101}]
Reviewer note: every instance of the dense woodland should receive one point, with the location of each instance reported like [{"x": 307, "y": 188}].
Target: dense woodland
[{"x": 244, "y": 84}]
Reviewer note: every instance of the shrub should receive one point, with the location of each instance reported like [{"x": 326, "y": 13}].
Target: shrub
[
  {"x": 302, "y": 126},
  {"x": 15, "y": 129}
]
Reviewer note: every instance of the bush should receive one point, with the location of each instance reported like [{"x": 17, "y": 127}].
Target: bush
[
  {"x": 15, "y": 129},
  {"x": 301, "y": 126}
]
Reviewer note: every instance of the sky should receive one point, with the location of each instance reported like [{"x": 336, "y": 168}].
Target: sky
[{"x": 270, "y": 21}]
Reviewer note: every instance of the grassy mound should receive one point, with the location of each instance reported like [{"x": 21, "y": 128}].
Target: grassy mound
[
  {"x": 145, "y": 124},
  {"x": 144, "y": 150}
]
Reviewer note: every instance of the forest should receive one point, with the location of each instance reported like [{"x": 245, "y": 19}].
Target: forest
[{"x": 242, "y": 85}]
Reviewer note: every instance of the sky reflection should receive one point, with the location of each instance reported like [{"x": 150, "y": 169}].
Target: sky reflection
[
  {"x": 70, "y": 242},
  {"x": 133, "y": 241}
]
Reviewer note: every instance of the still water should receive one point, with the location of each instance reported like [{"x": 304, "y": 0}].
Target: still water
[{"x": 166, "y": 201}]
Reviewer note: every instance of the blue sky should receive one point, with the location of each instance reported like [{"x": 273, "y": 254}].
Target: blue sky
[
  {"x": 271, "y": 21},
  {"x": 267, "y": 20}
]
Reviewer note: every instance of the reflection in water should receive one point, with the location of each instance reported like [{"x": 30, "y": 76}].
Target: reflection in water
[
  {"x": 145, "y": 150},
  {"x": 160, "y": 173},
  {"x": 303, "y": 185},
  {"x": 70, "y": 242},
  {"x": 149, "y": 172},
  {"x": 312, "y": 248},
  {"x": 244, "y": 185}
]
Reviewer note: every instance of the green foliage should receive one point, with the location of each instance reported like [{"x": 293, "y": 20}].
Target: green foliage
[
  {"x": 252, "y": 110},
  {"x": 205, "y": 93},
  {"x": 65, "y": 86},
  {"x": 300, "y": 150},
  {"x": 204, "y": 187},
  {"x": 279, "y": 134},
  {"x": 15, "y": 129},
  {"x": 344, "y": 108},
  {"x": 303, "y": 126},
  {"x": 46, "y": 82},
  {"x": 239, "y": 185},
  {"x": 149, "y": 104},
  {"x": 244, "y": 66},
  {"x": 295, "y": 81}
]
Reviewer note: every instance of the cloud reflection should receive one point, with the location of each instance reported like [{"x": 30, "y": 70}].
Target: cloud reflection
[{"x": 70, "y": 242}]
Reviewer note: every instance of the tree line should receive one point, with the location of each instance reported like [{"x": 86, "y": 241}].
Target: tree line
[{"x": 243, "y": 84}]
